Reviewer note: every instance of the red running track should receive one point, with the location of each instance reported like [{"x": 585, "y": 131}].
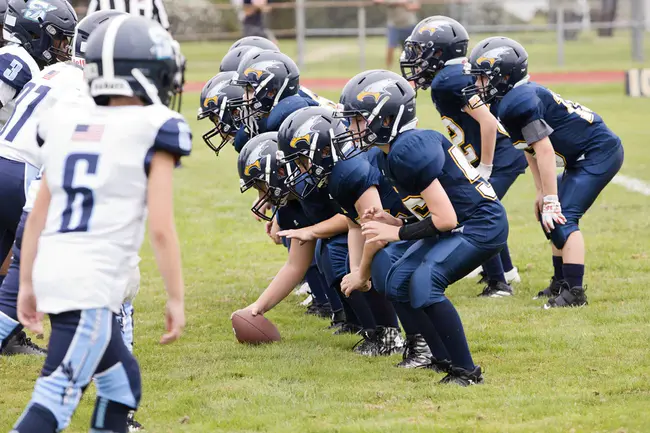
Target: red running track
[{"x": 594, "y": 77}]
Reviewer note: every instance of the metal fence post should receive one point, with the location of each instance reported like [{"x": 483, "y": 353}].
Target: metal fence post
[
  {"x": 361, "y": 21},
  {"x": 637, "y": 33},
  {"x": 560, "y": 35},
  {"x": 300, "y": 32}
]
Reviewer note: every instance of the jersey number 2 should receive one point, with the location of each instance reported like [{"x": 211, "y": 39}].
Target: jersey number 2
[
  {"x": 87, "y": 197},
  {"x": 472, "y": 174}
]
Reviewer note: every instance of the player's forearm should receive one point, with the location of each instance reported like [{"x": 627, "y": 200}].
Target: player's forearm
[
  {"x": 29, "y": 247},
  {"x": 547, "y": 169},
  {"x": 168, "y": 257},
  {"x": 488, "y": 141},
  {"x": 283, "y": 283},
  {"x": 369, "y": 252},
  {"x": 532, "y": 164},
  {"x": 355, "y": 246},
  {"x": 334, "y": 226}
]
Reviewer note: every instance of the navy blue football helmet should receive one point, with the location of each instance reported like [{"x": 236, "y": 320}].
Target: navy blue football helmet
[
  {"x": 45, "y": 28},
  {"x": 143, "y": 63},
  {"x": 83, "y": 30},
  {"x": 3, "y": 11},
  {"x": 259, "y": 167},
  {"x": 434, "y": 41},
  {"x": 233, "y": 58},
  {"x": 501, "y": 61},
  {"x": 305, "y": 142},
  {"x": 268, "y": 77},
  {"x": 215, "y": 105},
  {"x": 254, "y": 41},
  {"x": 385, "y": 100}
]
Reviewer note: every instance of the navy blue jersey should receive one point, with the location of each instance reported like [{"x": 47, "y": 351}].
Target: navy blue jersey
[
  {"x": 275, "y": 118},
  {"x": 291, "y": 216},
  {"x": 319, "y": 205},
  {"x": 579, "y": 136},
  {"x": 351, "y": 178},
  {"x": 418, "y": 157},
  {"x": 464, "y": 131}
]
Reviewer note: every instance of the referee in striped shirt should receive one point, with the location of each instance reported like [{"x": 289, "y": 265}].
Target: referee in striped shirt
[{"x": 152, "y": 9}]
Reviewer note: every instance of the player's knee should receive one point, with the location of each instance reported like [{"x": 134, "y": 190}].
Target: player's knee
[
  {"x": 121, "y": 383},
  {"x": 379, "y": 271},
  {"x": 396, "y": 286},
  {"x": 561, "y": 233},
  {"x": 426, "y": 287}
]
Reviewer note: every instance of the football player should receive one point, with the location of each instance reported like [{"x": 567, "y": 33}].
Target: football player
[
  {"x": 82, "y": 290},
  {"x": 462, "y": 223},
  {"x": 356, "y": 184},
  {"x": 434, "y": 57},
  {"x": 3, "y": 11},
  {"x": 553, "y": 131}
]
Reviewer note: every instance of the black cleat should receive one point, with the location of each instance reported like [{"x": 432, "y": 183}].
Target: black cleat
[
  {"x": 131, "y": 424},
  {"x": 416, "y": 353},
  {"x": 568, "y": 297},
  {"x": 462, "y": 377},
  {"x": 368, "y": 345},
  {"x": 319, "y": 310},
  {"x": 348, "y": 328},
  {"x": 483, "y": 279},
  {"x": 496, "y": 289},
  {"x": 552, "y": 291},
  {"x": 20, "y": 344},
  {"x": 440, "y": 366}
]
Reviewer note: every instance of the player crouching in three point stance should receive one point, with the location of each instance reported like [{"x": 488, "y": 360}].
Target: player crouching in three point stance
[
  {"x": 551, "y": 130},
  {"x": 462, "y": 223},
  {"x": 77, "y": 254}
]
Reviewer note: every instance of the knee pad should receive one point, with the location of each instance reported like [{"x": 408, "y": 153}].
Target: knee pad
[
  {"x": 381, "y": 264},
  {"x": 121, "y": 383},
  {"x": 426, "y": 287},
  {"x": 396, "y": 287},
  {"x": 560, "y": 233},
  {"x": 133, "y": 286}
]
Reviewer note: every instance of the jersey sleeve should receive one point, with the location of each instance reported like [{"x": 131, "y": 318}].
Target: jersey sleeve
[
  {"x": 523, "y": 118},
  {"x": 284, "y": 108},
  {"x": 417, "y": 160},
  {"x": 292, "y": 216},
  {"x": 14, "y": 72},
  {"x": 173, "y": 137},
  {"x": 241, "y": 138},
  {"x": 447, "y": 95},
  {"x": 350, "y": 179}
]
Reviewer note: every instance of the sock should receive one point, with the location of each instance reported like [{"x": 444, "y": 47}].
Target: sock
[
  {"x": 350, "y": 317},
  {"x": 426, "y": 327},
  {"x": 382, "y": 310},
  {"x": 361, "y": 309},
  {"x": 405, "y": 313},
  {"x": 557, "y": 267},
  {"x": 494, "y": 269},
  {"x": 316, "y": 285},
  {"x": 109, "y": 417},
  {"x": 338, "y": 316},
  {"x": 36, "y": 419},
  {"x": 506, "y": 260},
  {"x": 447, "y": 322},
  {"x": 573, "y": 274}
]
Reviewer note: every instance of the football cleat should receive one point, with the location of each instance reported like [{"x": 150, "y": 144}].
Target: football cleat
[
  {"x": 462, "y": 377},
  {"x": 132, "y": 424},
  {"x": 496, "y": 289},
  {"x": 390, "y": 340},
  {"x": 416, "y": 353},
  {"x": 348, "y": 328},
  {"x": 20, "y": 344},
  {"x": 440, "y": 366},
  {"x": 307, "y": 301},
  {"x": 319, "y": 310},
  {"x": 512, "y": 276},
  {"x": 568, "y": 297},
  {"x": 552, "y": 291},
  {"x": 368, "y": 345},
  {"x": 303, "y": 289}
]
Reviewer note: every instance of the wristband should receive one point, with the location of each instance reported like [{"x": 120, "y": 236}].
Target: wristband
[{"x": 419, "y": 230}]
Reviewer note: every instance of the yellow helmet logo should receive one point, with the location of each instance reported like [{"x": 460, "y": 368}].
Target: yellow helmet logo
[
  {"x": 257, "y": 72},
  {"x": 295, "y": 140},
  {"x": 433, "y": 25},
  {"x": 491, "y": 56},
  {"x": 431, "y": 28},
  {"x": 257, "y": 164},
  {"x": 377, "y": 90},
  {"x": 363, "y": 95},
  {"x": 214, "y": 99}
]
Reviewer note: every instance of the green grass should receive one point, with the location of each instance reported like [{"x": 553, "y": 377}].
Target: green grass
[
  {"x": 339, "y": 57},
  {"x": 585, "y": 370}
]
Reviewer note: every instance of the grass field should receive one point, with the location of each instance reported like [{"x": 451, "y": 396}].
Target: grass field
[{"x": 585, "y": 370}]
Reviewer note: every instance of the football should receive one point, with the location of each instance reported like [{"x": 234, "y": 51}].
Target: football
[{"x": 253, "y": 329}]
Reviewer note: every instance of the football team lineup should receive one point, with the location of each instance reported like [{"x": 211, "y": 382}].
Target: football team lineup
[{"x": 432, "y": 244}]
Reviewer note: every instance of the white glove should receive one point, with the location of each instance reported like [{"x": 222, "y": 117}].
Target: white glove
[
  {"x": 551, "y": 213},
  {"x": 485, "y": 171}
]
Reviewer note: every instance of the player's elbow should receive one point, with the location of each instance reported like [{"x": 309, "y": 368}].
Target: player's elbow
[{"x": 161, "y": 235}]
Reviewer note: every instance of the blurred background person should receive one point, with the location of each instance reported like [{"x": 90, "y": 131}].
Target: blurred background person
[
  {"x": 252, "y": 14},
  {"x": 152, "y": 9},
  {"x": 401, "y": 18}
]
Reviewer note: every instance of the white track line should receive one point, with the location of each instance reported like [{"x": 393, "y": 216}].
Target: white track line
[{"x": 632, "y": 184}]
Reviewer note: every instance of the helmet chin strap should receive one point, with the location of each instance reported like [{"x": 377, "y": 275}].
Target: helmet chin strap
[{"x": 150, "y": 89}]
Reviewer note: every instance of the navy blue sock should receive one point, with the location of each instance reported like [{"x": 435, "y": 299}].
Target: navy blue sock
[
  {"x": 506, "y": 260},
  {"x": 38, "y": 419},
  {"x": 316, "y": 285},
  {"x": 429, "y": 332},
  {"x": 333, "y": 296},
  {"x": 382, "y": 310},
  {"x": 109, "y": 416},
  {"x": 494, "y": 269},
  {"x": 558, "y": 272},
  {"x": 361, "y": 309},
  {"x": 573, "y": 274},
  {"x": 447, "y": 322},
  {"x": 405, "y": 314}
]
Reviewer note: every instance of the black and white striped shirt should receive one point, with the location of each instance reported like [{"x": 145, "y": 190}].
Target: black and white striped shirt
[{"x": 152, "y": 9}]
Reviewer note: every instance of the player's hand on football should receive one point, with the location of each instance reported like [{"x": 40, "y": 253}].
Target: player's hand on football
[
  {"x": 303, "y": 235},
  {"x": 380, "y": 215},
  {"x": 552, "y": 213},
  {"x": 174, "y": 321},
  {"x": 27, "y": 314},
  {"x": 375, "y": 231},
  {"x": 255, "y": 309},
  {"x": 353, "y": 281}
]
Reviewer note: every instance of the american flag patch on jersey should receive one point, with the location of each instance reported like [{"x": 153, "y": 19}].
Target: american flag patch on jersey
[
  {"x": 50, "y": 75},
  {"x": 88, "y": 133}
]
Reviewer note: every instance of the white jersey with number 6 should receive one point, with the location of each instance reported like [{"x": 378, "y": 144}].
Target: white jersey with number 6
[
  {"x": 96, "y": 163},
  {"x": 38, "y": 96}
]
